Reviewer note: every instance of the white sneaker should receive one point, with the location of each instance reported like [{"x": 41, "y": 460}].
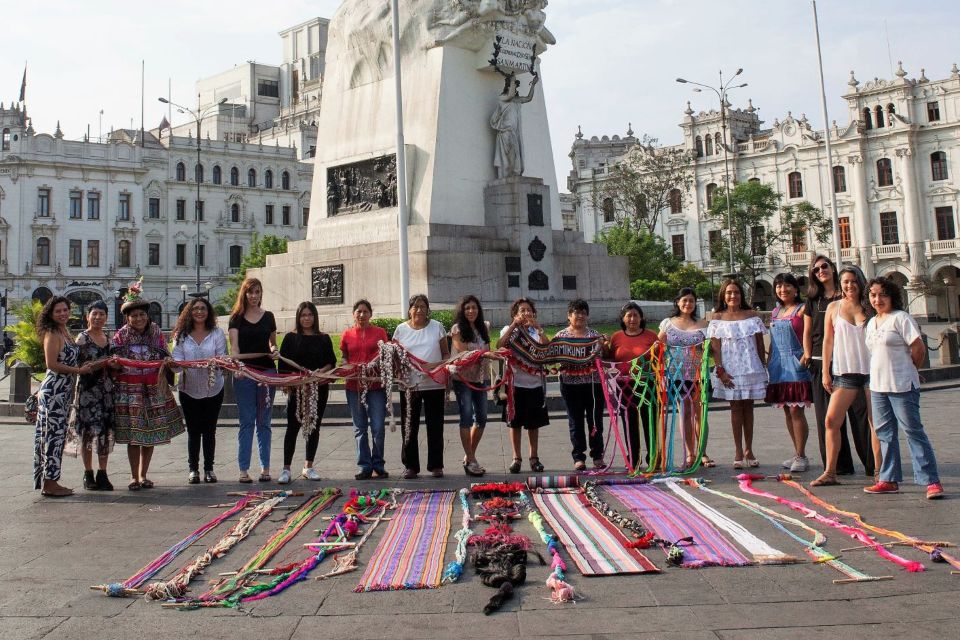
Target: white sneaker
[
  {"x": 310, "y": 474},
  {"x": 799, "y": 465},
  {"x": 788, "y": 464},
  {"x": 284, "y": 477}
]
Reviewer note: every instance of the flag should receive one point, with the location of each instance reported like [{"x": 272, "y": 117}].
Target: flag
[{"x": 23, "y": 85}]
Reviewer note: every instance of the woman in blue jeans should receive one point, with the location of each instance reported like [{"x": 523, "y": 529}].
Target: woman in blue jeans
[
  {"x": 470, "y": 332},
  {"x": 253, "y": 331},
  {"x": 360, "y": 345},
  {"x": 896, "y": 351}
]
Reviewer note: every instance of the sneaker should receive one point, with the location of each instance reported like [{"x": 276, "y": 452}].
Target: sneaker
[
  {"x": 366, "y": 474},
  {"x": 409, "y": 474},
  {"x": 882, "y": 487},
  {"x": 934, "y": 491},
  {"x": 381, "y": 474},
  {"x": 284, "y": 477},
  {"x": 579, "y": 465},
  {"x": 799, "y": 465},
  {"x": 310, "y": 474},
  {"x": 789, "y": 462}
]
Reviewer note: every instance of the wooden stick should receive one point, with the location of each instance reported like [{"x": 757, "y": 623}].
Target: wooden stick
[
  {"x": 103, "y": 588},
  {"x": 955, "y": 573},
  {"x": 330, "y": 544},
  {"x": 870, "y": 579},
  {"x": 885, "y": 544}
]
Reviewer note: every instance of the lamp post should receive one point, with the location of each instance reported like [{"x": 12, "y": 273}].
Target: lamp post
[
  {"x": 198, "y": 117},
  {"x": 721, "y": 92},
  {"x": 183, "y": 292}
]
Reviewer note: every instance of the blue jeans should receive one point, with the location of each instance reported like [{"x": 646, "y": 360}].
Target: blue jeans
[
  {"x": 372, "y": 416},
  {"x": 254, "y": 406},
  {"x": 893, "y": 410},
  {"x": 472, "y": 403}
]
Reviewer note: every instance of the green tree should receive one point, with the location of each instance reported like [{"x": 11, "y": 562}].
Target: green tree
[
  {"x": 255, "y": 258},
  {"x": 763, "y": 231},
  {"x": 649, "y": 257},
  {"x": 27, "y": 346}
]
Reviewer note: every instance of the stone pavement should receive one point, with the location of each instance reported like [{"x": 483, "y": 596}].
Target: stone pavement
[{"x": 53, "y": 550}]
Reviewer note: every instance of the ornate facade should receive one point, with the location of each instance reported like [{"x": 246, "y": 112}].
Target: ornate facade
[{"x": 893, "y": 170}]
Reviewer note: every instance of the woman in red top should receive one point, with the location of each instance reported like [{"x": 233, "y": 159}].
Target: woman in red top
[
  {"x": 359, "y": 345},
  {"x": 634, "y": 340}
]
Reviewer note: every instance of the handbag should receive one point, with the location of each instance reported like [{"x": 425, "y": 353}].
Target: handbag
[{"x": 30, "y": 406}]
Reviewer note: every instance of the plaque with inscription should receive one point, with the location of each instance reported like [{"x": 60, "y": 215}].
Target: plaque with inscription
[
  {"x": 362, "y": 186},
  {"x": 538, "y": 281},
  {"x": 327, "y": 284},
  {"x": 534, "y": 210}
]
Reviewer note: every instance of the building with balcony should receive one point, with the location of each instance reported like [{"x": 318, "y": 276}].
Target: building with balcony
[{"x": 893, "y": 172}]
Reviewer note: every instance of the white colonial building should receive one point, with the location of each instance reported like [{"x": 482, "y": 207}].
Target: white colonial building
[
  {"x": 894, "y": 170},
  {"x": 84, "y": 219}
]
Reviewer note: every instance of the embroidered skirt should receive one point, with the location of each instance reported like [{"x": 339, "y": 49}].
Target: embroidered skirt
[{"x": 146, "y": 414}]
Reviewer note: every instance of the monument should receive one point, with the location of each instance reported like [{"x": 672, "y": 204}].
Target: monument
[{"x": 484, "y": 211}]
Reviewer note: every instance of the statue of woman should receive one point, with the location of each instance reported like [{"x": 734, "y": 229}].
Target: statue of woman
[{"x": 508, "y": 151}]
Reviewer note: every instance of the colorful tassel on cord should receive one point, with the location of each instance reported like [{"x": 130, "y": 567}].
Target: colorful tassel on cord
[
  {"x": 746, "y": 485},
  {"x": 560, "y": 590},
  {"x": 454, "y": 570}
]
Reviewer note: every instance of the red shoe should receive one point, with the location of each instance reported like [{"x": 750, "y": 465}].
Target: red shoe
[
  {"x": 934, "y": 491},
  {"x": 882, "y": 487}
]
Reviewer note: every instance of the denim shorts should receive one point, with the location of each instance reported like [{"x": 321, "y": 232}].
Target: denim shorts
[{"x": 851, "y": 381}]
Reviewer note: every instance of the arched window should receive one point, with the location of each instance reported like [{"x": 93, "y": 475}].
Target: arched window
[
  {"x": 181, "y": 172},
  {"x": 676, "y": 201},
  {"x": 884, "y": 172},
  {"x": 795, "y": 184},
  {"x": 711, "y": 190},
  {"x": 198, "y": 173},
  {"x": 5, "y": 145},
  {"x": 938, "y": 165},
  {"x": 235, "y": 212},
  {"x": 252, "y": 178},
  {"x": 42, "y": 294},
  {"x": 217, "y": 174},
  {"x": 123, "y": 253},
  {"x": 867, "y": 120},
  {"x": 698, "y": 146},
  {"x": 708, "y": 145},
  {"x": 718, "y": 140},
  {"x": 839, "y": 179},
  {"x": 43, "y": 252},
  {"x": 234, "y": 177},
  {"x": 608, "y": 210},
  {"x": 285, "y": 180},
  {"x": 878, "y": 112},
  {"x": 754, "y": 180},
  {"x": 268, "y": 179},
  {"x": 890, "y": 111}
]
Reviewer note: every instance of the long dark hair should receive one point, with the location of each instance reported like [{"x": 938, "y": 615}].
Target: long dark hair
[
  {"x": 45, "y": 323},
  {"x": 464, "y": 325},
  {"x": 861, "y": 284},
  {"x": 722, "y": 304},
  {"x": 890, "y": 288},
  {"x": 185, "y": 319},
  {"x": 814, "y": 286},
  {"x": 312, "y": 308},
  {"x": 683, "y": 293}
]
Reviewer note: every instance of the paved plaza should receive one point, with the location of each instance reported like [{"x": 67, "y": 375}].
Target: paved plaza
[{"x": 52, "y": 551}]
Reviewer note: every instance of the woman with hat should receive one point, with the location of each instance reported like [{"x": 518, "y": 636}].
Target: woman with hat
[{"x": 146, "y": 413}]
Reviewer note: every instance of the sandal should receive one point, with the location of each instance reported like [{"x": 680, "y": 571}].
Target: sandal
[
  {"x": 264, "y": 477},
  {"x": 245, "y": 478},
  {"x": 146, "y": 484},
  {"x": 826, "y": 480},
  {"x": 515, "y": 465},
  {"x": 536, "y": 465},
  {"x": 738, "y": 464},
  {"x": 134, "y": 486},
  {"x": 707, "y": 461}
]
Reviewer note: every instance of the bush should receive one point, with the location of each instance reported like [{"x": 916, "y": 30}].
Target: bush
[
  {"x": 27, "y": 345},
  {"x": 651, "y": 290},
  {"x": 387, "y": 324},
  {"x": 444, "y": 317}
]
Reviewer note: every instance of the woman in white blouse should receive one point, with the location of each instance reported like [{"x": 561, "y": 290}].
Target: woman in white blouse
[
  {"x": 197, "y": 337},
  {"x": 896, "y": 349}
]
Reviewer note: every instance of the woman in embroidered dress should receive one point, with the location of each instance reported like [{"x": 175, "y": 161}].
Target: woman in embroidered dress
[
  {"x": 253, "y": 330},
  {"x": 470, "y": 332},
  {"x": 427, "y": 340},
  {"x": 896, "y": 350},
  {"x": 846, "y": 363},
  {"x": 736, "y": 342},
  {"x": 634, "y": 342},
  {"x": 53, "y": 399},
  {"x": 312, "y": 349},
  {"x": 684, "y": 336},
  {"x": 789, "y": 386},
  {"x": 197, "y": 337},
  {"x": 824, "y": 288},
  {"x": 582, "y": 393},
  {"x": 93, "y": 420},
  {"x": 146, "y": 413},
  {"x": 360, "y": 344},
  {"x": 529, "y": 388}
]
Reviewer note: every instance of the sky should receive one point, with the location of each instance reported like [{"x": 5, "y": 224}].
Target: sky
[{"x": 615, "y": 61}]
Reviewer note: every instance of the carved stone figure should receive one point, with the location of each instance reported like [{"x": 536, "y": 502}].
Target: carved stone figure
[{"x": 508, "y": 150}]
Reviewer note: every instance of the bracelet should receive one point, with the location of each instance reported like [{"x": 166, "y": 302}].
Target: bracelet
[{"x": 719, "y": 370}]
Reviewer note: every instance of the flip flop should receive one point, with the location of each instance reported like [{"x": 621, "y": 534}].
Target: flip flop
[
  {"x": 707, "y": 462},
  {"x": 46, "y": 494},
  {"x": 738, "y": 464},
  {"x": 146, "y": 484},
  {"x": 134, "y": 486},
  {"x": 753, "y": 462},
  {"x": 825, "y": 481}
]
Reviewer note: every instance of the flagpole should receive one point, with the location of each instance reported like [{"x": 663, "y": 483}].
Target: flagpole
[
  {"x": 142, "y": 74},
  {"x": 403, "y": 212},
  {"x": 826, "y": 137}
]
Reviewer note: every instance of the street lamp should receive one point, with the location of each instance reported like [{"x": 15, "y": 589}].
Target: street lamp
[
  {"x": 721, "y": 92},
  {"x": 198, "y": 117},
  {"x": 183, "y": 291}
]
